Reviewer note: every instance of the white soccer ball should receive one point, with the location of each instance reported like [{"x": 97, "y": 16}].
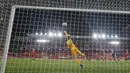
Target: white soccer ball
[{"x": 64, "y": 24}]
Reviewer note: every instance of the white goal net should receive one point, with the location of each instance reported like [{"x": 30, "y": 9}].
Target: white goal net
[{"x": 36, "y": 43}]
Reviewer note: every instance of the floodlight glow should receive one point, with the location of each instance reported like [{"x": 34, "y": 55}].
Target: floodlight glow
[
  {"x": 36, "y": 33},
  {"x": 43, "y": 41},
  {"x": 112, "y": 36},
  {"x": 99, "y": 35},
  {"x": 45, "y": 33},
  {"x": 77, "y": 36},
  {"x": 103, "y": 36},
  {"x": 59, "y": 34},
  {"x": 54, "y": 34},
  {"x": 41, "y": 33},
  {"x": 50, "y": 34},
  {"x": 115, "y": 42},
  {"x": 116, "y": 36},
  {"x": 95, "y": 35},
  {"x": 107, "y": 35}
]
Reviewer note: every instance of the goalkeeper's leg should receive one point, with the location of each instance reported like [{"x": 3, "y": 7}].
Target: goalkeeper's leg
[
  {"x": 77, "y": 60},
  {"x": 82, "y": 54}
]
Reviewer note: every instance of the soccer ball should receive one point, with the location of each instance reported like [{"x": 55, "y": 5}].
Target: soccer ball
[{"x": 64, "y": 24}]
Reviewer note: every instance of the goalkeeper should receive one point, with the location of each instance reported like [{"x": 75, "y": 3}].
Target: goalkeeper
[{"x": 74, "y": 50}]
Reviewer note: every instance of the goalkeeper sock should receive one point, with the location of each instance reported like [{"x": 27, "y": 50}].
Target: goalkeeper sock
[
  {"x": 78, "y": 61},
  {"x": 81, "y": 66}
]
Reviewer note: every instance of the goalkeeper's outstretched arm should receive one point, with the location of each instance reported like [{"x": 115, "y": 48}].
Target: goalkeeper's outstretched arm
[{"x": 66, "y": 34}]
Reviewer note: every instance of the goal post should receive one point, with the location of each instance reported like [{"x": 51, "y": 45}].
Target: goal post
[{"x": 7, "y": 42}]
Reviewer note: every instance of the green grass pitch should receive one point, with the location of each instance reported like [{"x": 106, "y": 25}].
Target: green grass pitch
[{"x": 65, "y": 66}]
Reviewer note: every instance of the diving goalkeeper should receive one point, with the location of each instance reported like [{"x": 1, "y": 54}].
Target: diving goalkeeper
[{"x": 74, "y": 50}]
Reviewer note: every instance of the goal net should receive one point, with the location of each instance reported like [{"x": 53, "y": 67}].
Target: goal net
[{"x": 36, "y": 42}]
